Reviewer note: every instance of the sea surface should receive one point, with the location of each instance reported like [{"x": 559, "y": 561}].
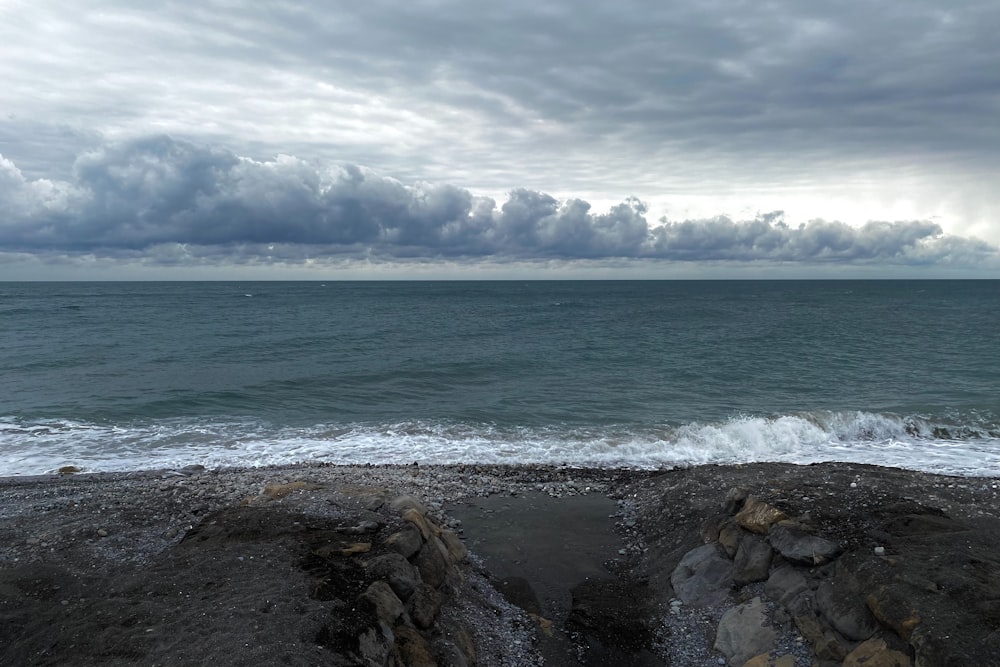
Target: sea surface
[{"x": 122, "y": 376}]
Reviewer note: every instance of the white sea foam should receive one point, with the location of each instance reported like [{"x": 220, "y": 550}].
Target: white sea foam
[{"x": 906, "y": 442}]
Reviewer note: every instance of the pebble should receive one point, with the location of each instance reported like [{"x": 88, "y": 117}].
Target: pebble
[
  {"x": 101, "y": 532},
  {"x": 879, "y": 551}
]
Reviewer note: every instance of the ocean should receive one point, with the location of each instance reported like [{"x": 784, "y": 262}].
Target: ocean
[{"x": 112, "y": 376}]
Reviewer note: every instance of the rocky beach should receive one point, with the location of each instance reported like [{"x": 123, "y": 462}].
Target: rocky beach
[{"x": 744, "y": 565}]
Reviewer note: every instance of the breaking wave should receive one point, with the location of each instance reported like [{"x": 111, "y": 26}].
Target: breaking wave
[{"x": 967, "y": 444}]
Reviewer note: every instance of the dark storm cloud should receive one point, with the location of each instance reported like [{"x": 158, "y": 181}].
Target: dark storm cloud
[
  {"x": 173, "y": 202},
  {"x": 831, "y": 78}
]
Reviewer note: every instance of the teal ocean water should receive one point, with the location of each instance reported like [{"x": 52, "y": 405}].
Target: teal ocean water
[{"x": 119, "y": 376}]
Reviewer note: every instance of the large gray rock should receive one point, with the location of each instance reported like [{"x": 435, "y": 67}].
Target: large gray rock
[
  {"x": 744, "y": 632},
  {"x": 407, "y": 541},
  {"x": 398, "y": 572},
  {"x": 379, "y": 599},
  {"x": 800, "y": 546},
  {"x": 752, "y": 561},
  {"x": 432, "y": 563},
  {"x": 785, "y": 585},
  {"x": 703, "y": 577}
]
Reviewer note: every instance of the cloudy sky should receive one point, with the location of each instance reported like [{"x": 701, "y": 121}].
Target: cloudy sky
[{"x": 541, "y": 138}]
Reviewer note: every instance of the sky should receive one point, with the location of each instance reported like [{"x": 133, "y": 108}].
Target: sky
[{"x": 523, "y": 139}]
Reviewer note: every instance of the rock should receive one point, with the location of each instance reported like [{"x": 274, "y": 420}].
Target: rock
[
  {"x": 459, "y": 649},
  {"x": 734, "y": 500},
  {"x": 845, "y": 611},
  {"x": 406, "y": 542},
  {"x": 424, "y": 605},
  {"x": 431, "y": 562},
  {"x": 395, "y": 570},
  {"x": 422, "y": 523},
  {"x": 375, "y": 645},
  {"x": 68, "y": 470},
  {"x": 457, "y": 550},
  {"x": 729, "y": 537},
  {"x": 101, "y": 532},
  {"x": 823, "y": 642},
  {"x": 703, "y": 577},
  {"x": 355, "y": 549},
  {"x": 711, "y": 526},
  {"x": 892, "y": 609},
  {"x": 876, "y": 653},
  {"x": 797, "y": 545},
  {"x": 413, "y": 649},
  {"x": 757, "y": 516},
  {"x": 770, "y": 660},
  {"x": 752, "y": 561},
  {"x": 744, "y": 632},
  {"x": 379, "y": 599}
]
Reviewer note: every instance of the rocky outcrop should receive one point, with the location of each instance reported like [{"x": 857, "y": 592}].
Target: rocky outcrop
[
  {"x": 892, "y": 594},
  {"x": 395, "y": 623}
]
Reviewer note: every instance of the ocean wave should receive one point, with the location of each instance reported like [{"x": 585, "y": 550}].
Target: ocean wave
[{"x": 956, "y": 444}]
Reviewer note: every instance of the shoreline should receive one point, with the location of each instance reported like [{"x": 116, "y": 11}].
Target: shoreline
[{"x": 100, "y": 538}]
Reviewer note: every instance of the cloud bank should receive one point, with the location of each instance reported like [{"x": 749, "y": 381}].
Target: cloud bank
[{"x": 171, "y": 202}]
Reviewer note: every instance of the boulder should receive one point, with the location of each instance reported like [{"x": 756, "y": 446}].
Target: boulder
[
  {"x": 375, "y": 645},
  {"x": 744, "y": 632},
  {"x": 406, "y": 541},
  {"x": 424, "y": 605},
  {"x": 876, "y": 653},
  {"x": 423, "y": 524},
  {"x": 758, "y": 516},
  {"x": 824, "y": 643},
  {"x": 752, "y": 561},
  {"x": 797, "y": 545},
  {"x": 785, "y": 584},
  {"x": 379, "y": 599},
  {"x": 398, "y": 572},
  {"x": 711, "y": 526},
  {"x": 457, "y": 550},
  {"x": 894, "y": 609},
  {"x": 729, "y": 537},
  {"x": 703, "y": 577},
  {"x": 431, "y": 563},
  {"x": 413, "y": 649},
  {"x": 734, "y": 500}
]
